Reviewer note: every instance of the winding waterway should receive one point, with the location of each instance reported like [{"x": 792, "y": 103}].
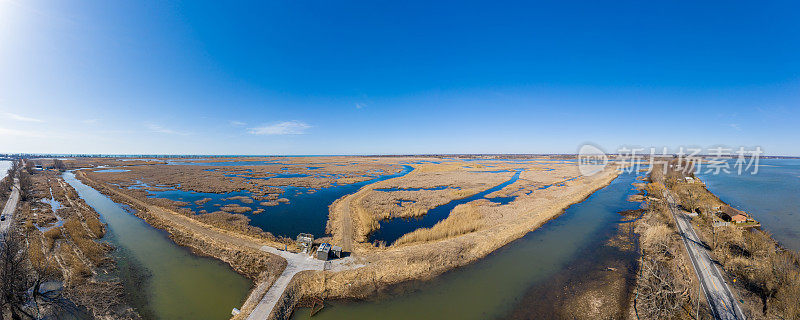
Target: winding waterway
[
  {"x": 500, "y": 284},
  {"x": 161, "y": 279},
  {"x": 771, "y": 196}
]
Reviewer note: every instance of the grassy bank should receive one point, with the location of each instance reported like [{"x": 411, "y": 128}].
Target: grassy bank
[{"x": 239, "y": 251}]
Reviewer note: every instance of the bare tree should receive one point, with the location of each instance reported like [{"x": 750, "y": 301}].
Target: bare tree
[
  {"x": 25, "y": 186},
  {"x": 21, "y": 295},
  {"x": 690, "y": 198},
  {"x": 59, "y": 165},
  {"x": 30, "y": 167},
  {"x": 660, "y": 294},
  {"x": 15, "y": 279}
]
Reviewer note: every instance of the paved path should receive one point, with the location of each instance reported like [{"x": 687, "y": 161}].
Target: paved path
[
  {"x": 295, "y": 262},
  {"x": 719, "y": 296},
  {"x": 10, "y": 207}
]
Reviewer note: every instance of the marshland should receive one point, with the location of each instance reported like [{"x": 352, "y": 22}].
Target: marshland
[
  {"x": 494, "y": 234},
  {"x": 209, "y": 215}
]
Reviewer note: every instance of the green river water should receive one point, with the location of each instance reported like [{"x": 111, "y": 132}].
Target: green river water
[{"x": 163, "y": 280}]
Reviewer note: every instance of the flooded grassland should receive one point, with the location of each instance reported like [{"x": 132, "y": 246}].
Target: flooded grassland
[
  {"x": 586, "y": 254},
  {"x": 444, "y": 213},
  {"x": 67, "y": 245}
]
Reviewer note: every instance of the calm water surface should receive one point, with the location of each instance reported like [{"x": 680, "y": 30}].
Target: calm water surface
[
  {"x": 4, "y": 166},
  {"x": 771, "y": 196},
  {"x": 496, "y": 285},
  {"x": 392, "y": 229},
  {"x": 306, "y": 212},
  {"x": 164, "y": 280}
]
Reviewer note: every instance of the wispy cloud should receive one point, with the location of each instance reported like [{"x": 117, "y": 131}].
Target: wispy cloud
[
  {"x": 282, "y": 128},
  {"x": 360, "y": 105},
  {"x": 90, "y": 121},
  {"x": 14, "y": 116},
  {"x": 735, "y": 126},
  {"x": 160, "y": 129},
  {"x": 237, "y": 123},
  {"x": 20, "y": 133}
]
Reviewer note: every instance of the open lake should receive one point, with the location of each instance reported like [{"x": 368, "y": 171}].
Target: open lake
[{"x": 771, "y": 196}]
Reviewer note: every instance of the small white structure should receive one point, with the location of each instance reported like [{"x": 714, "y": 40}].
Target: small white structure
[{"x": 305, "y": 241}]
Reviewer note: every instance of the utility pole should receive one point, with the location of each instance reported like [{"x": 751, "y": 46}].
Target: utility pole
[{"x": 697, "y": 310}]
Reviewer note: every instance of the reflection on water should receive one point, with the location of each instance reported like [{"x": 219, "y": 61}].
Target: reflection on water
[
  {"x": 495, "y": 285},
  {"x": 772, "y": 196},
  {"x": 163, "y": 280}
]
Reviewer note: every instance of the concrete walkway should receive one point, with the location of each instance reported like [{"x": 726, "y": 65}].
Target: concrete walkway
[
  {"x": 295, "y": 262},
  {"x": 10, "y": 208}
]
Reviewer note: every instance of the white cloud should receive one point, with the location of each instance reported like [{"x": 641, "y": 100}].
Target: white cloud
[
  {"x": 282, "y": 128},
  {"x": 360, "y": 105},
  {"x": 237, "y": 123},
  {"x": 160, "y": 129},
  {"x": 735, "y": 126},
  {"x": 17, "y": 117}
]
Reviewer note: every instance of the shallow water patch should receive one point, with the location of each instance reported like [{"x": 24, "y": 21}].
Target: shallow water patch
[
  {"x": 111, "y": 170},
  {"x": 497, "y": 285},
  {"x": 304, "y": 210},
  {"x": 392, "y": 229}
]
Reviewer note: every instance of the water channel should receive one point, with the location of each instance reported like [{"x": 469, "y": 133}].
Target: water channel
[
  {"x": 501, "y": 284},
  {"x": 163, "y": 280}
]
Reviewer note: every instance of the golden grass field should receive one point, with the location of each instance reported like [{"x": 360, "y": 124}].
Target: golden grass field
[{"x": 471, "y": 231}]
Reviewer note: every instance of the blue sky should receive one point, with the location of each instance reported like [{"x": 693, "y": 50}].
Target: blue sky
[{"x": 379, "y": 77}]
